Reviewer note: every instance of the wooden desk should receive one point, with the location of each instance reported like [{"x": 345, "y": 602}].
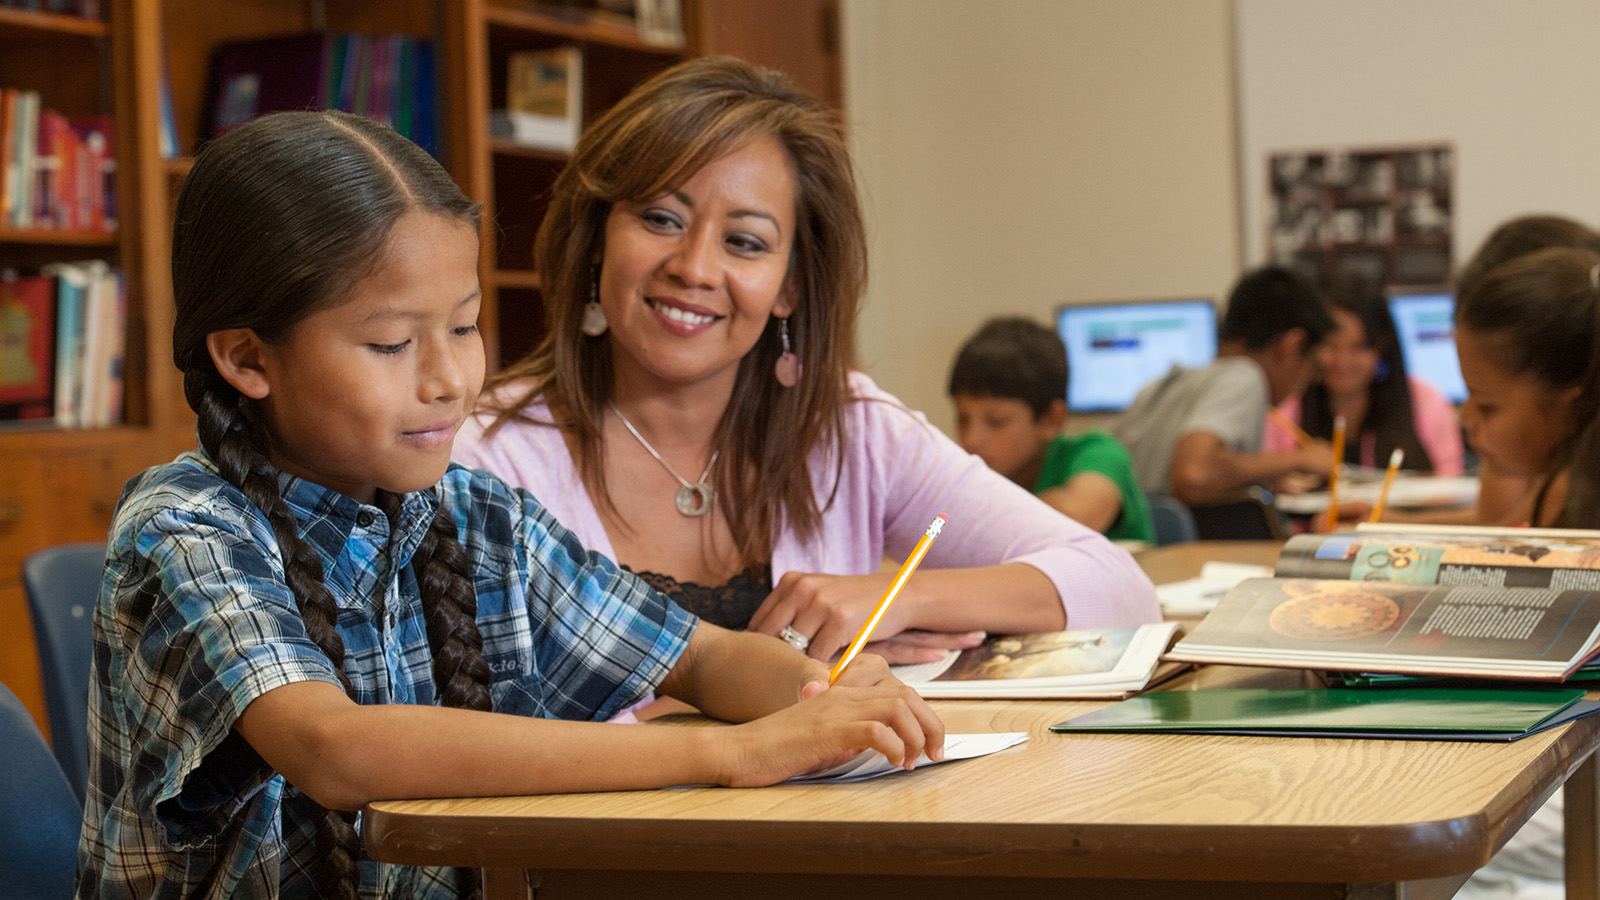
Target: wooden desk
[{"x": 1129, "y": 816}]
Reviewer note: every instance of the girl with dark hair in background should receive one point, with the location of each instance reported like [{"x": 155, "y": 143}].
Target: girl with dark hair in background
[{"x": 1361, "y": 375}]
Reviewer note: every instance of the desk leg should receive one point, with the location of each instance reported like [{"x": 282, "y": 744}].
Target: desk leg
[
  {"x": 508, "y": 884},
  {"x": 1582, "y": 828}
]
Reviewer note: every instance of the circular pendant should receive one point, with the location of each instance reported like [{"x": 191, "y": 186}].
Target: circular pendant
[{"x": 695, "y": 499}]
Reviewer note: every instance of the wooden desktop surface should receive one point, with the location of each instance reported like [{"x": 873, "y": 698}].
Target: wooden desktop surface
[{"x": 1110, "y": 815}]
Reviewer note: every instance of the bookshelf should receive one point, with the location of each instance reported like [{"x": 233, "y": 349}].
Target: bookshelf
[{"x": 58, "y": 486}]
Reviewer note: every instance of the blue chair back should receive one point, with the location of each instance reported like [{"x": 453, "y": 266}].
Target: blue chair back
[
  {"x": 1172, "y": 520},
  {"x": 61, "y": 584},
  {"x": 39, "y": 816}
]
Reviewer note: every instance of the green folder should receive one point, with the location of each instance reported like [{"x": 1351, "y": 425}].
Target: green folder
[{"x": 1449, "y": 714}]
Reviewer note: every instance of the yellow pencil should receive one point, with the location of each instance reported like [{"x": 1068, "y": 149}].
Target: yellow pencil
[
  {"x": 1395, "y": 459},
  {"x": 906, "y": 569},
  {"x": 1290, "y": 427},
  {"x": 1333, "y": 472}
]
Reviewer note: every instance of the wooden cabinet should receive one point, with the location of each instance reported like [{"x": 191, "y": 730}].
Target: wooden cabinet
[{"x": 58, "y": 486}]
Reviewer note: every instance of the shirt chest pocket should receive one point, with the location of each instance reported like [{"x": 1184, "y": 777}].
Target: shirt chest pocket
[{"x": 508, "y": 652}]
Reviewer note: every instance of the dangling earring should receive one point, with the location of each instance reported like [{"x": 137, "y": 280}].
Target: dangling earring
[
  {"x": 594, "y": 318},
  {"x": 788, "y": 366}
]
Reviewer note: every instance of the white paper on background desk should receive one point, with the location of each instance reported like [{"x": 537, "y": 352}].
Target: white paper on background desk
[
  {"x": 871, "y": 764},
  {"x": 1199, "y": 595},
  {"x": 1411, "y": 492}
]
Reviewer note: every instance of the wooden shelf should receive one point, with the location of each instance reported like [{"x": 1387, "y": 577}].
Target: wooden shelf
[
  {"x": 516, "y": 278},
  {"x": 45, "y": 437},
  {"x": 593, "y": 33},
  {"x": 19, "y": 23},
  {"x": 501, "y": 147},
  {"x": 58, "y": 238}
]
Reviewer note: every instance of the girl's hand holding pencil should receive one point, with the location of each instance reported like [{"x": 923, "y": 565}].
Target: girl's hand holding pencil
[{"x": 867, "y": 709}]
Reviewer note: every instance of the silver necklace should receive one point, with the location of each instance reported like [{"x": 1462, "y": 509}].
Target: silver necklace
[{"x": 692, "y": 499}]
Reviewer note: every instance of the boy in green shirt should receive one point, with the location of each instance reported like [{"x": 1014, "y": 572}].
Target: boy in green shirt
[{"x": 1009, "y": 384}]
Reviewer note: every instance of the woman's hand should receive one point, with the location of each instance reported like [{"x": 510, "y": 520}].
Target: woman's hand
[
  {"x": 830, "y": 609},
  {"x": 868, "y": 709}
]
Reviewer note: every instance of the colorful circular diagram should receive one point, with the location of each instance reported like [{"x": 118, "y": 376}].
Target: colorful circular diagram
[{"x": 1342, "y": 613}]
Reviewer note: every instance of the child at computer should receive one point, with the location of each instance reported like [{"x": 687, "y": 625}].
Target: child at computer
[
  {"x": 315, "y": 609},
  {"x": 1009, "y": 384}
]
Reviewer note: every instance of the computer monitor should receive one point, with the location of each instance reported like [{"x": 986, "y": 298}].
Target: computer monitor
[
  {"x": 1116, "y": 348},
  {"x": 1426, "y": 324}
]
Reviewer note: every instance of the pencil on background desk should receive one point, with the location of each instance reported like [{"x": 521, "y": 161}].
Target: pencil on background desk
[
  {"x": 1290, "y": 427},
  {"x": 1333, "y": 472},
  {"x": 906, "y": 568},
  {"x": 1395, "y": 458}
]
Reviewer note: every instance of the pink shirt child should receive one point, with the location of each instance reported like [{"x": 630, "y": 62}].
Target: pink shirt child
[{"x": 1434, "y": 418}]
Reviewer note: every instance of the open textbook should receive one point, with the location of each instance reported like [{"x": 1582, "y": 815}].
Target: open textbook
[
  {"x": 1507, "y": 603},
  {"x": 1105, "y": 663}
]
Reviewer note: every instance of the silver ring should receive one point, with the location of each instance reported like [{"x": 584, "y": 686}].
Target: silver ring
[{"x": 794, "y": 638}]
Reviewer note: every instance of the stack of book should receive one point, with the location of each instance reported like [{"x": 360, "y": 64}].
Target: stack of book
[
  {"x": 62, "y": 354},
  {"x": 544, "y": 100},
  {"x": 1471, "y": 602},
  {"x": 58, "y": 173},
  {"x": 1426, "y": 633}
]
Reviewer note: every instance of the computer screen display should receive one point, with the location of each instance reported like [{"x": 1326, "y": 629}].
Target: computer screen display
[
  {"x": 1427, "y": 328},
  {"x": 1114, "y": 349}
]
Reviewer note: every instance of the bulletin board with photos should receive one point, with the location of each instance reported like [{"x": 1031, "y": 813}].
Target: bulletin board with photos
[{"x": 1381, "y": 213}]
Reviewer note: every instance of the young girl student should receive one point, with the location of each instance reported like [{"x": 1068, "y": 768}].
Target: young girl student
[
  {"x": 314, "y": 609},
  {"x": 1526, "y": 335}
]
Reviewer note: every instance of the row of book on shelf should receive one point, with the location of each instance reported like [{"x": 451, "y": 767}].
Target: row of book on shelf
[
  {"x": 1415, "y": 632},
  {"x": 62, "y": 343},
  {"x": 385, "y": 77},
  {"x": 58, "y": 172}
]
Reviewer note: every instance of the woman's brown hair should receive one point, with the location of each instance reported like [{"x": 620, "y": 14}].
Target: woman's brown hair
[
  {"x": 650, "y": 143},
  {"x": 278, "y": 219}
]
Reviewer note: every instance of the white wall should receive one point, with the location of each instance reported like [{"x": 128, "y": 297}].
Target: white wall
[
  {"x": 1020, "y": 154},
  {"x": 1510, "y": 83}
]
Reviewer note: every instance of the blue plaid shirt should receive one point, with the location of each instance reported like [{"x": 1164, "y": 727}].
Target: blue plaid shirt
[{"x": 195, "y": 621}]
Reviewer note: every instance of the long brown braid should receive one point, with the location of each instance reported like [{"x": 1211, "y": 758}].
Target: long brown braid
[
  {"x": 278, "y": 219},
  {"x": 450, "y": 613}
]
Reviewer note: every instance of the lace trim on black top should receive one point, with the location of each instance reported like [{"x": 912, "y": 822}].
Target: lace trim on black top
[{"x": 730, "y": 605}]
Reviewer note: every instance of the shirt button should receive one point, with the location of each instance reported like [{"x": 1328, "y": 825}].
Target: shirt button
[{"x": 365, "y": 518}]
